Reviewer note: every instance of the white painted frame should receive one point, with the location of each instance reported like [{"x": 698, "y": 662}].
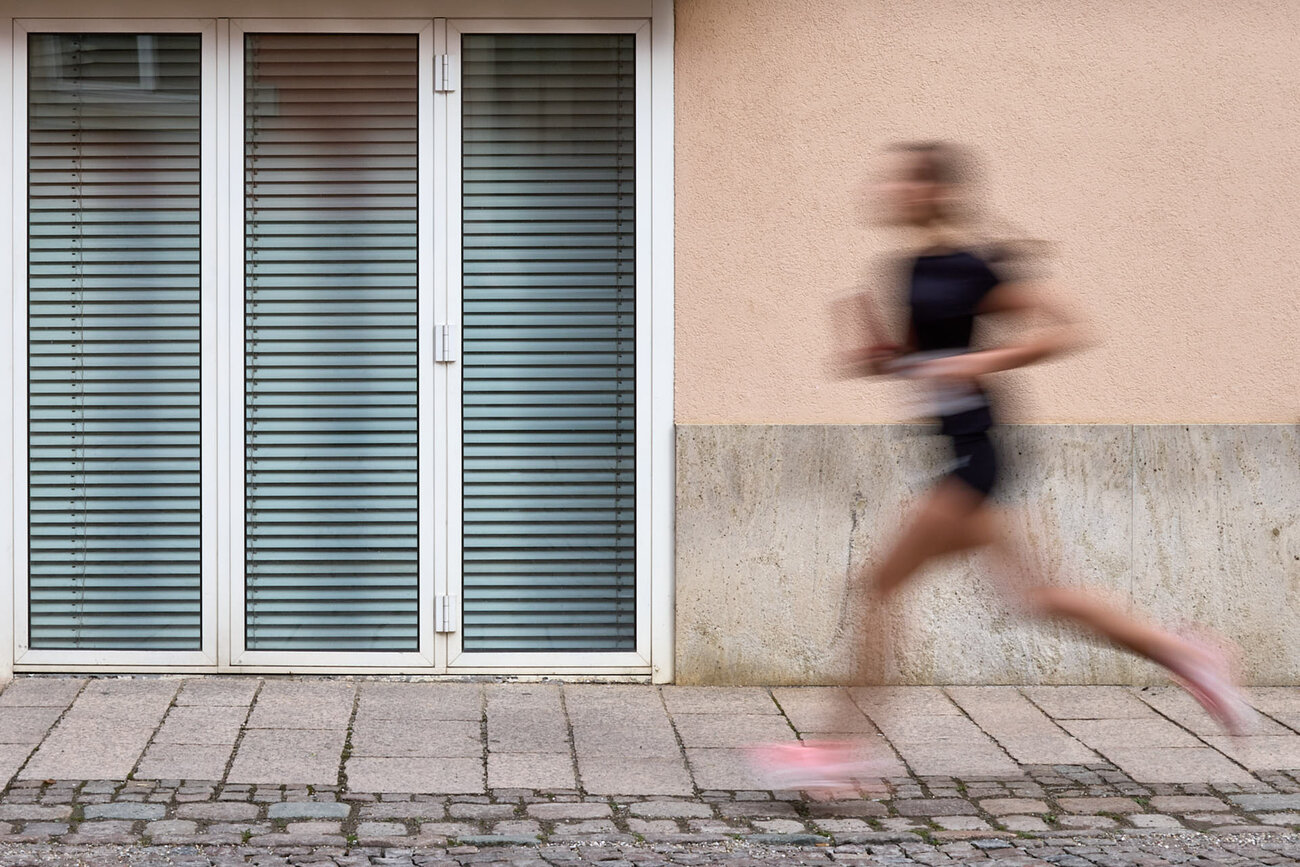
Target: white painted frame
[
  {"x": 424, "y": 659},
  {"x": 24, "y": 655},
  {"x": 633, "y": 662},
  {"x": 8, "y": 290},
  {"x": 439, "y": 211}
]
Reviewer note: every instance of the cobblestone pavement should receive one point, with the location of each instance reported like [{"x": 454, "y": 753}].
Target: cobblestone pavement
[{"x": 338, "y": 771}]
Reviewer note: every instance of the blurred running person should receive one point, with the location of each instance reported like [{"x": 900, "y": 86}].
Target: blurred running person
[{"x": 953, "y": 277}]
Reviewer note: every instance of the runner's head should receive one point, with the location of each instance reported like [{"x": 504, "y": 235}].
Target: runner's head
[{"x": 924, "y": 183}]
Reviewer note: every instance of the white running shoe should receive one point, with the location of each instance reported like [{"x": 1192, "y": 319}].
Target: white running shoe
[
  {"x": 1209, "y": 679},
  {"x": 813, "y": 765}
]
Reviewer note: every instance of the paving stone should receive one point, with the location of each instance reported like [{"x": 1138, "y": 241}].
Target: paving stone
[
  {"x": 381, "y": 829},
  {"x": 428, "y": 738},
  {"x": 1279, "y": 818},
  {"x": 405, "y": 810},
  {"x": 124, "y": 810},
  {"x": 1024, "y": 731},
  {"x": 1006, "y": 806},
  {"x": 220, "y": 811},
  {"x": 635, "y": 776},
  {"x": 531, "y": 770},
  {"x": 1214, "y": 819},
  {"x": 935, "y": 807},
  {"x": 712, "y": 699},
  {"x": 1088, "y": 702},
  {"x": 723, "y": 769},
  {"x": 551, "y": 812},
  {"x": 170, "y": 828},
  {"x": 731, "y": 730},
  {"x": 446, "y": 829},
  {"x": 1256, "y": 803},
  {"x": 1179, "y": 765},
  {"x": 626, "y": 739},
  {"x": 323, "y": 705},
  {"x": 1076, "y": 822},
  {"x": 833, "y": 809},
  {"x": 756, "y": 810},
  {"x": 417, "y": 775},
  {"x": 652, "y": 826},
  {"x": 1154, "y": 821},
  {"x": 34, "y": 812},
  {"x": 517, "y": 826},
  {"x": 308, "y": 810},
  {"x": 1099, "y": 805},
  {"x": 945, "y": 744},
  {"x": 481, "y": 811},
  {"x": 1187, "y": 803},
  {"x": 314, "y": 828},
  {"x": 670, "y": 810},
  {"x": 104, "y": 828},
  {"x": 45, "y": 829},
  {"x": 218, "y": 691},
  {"x": 420, "y": 701},
  {"x": 1023, "y": 824},
  {"x": 780, "y": 826},
  {"x": 962, "y": 823},
  {"x": 526, "y": 718},
  {"x": 786, "y": 839},
  {"x": 843, "y": 826},
  {"x": 26, "y": 724},
  {"x": 290, "y": 756},
  {"x": 489, "y": 840},
  {"x": 41, "y": 691},
  {"x": 822, "y": 709},
  {"x": 189, "y": 761},
  {"x": 297, "y": 840}
]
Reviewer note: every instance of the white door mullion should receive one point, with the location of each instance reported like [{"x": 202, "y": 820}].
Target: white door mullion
[
  {"x": 18, "y": 348},
  {"x": 430, "y": 304},
  {"x": 232, "y": 288},
  {"x": 223, "y": 440},
  {"x": 210, "y": 260},
  {"x": 451, "y": 426},
  {"x": 9, "y": 186}
]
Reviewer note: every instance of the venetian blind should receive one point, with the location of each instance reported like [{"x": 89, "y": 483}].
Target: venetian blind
[
  {"x": 113, "y": 341},
  {"x": 549, "y": 387},
  {"x": 331, "y": 499}
]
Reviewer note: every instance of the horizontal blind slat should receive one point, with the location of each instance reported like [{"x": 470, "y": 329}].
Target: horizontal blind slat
[
  {"x": 113, "y": 341},
  {"x": 548, "y": 374},
  {"x": 331, "y": 499}
]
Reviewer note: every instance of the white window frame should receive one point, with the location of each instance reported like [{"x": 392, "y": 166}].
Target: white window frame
[
  {"x": 627, "y": 662},
  {"x": 222, "y": 211},
  {"x": 429, "y": 479},
  {"x": 24, "y": 655}
]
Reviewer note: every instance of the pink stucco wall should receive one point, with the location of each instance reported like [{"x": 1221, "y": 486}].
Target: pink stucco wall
[{"x": 1157, "y": 143}]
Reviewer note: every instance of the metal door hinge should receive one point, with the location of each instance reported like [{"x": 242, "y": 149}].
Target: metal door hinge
[
  {"x": 442, "y": 81},
  {"x": 446, "y": 613},
  {"x": 445, "y": 349}
]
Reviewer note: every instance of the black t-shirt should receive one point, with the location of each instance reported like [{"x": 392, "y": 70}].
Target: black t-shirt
[{"x": 944, "y": 296}]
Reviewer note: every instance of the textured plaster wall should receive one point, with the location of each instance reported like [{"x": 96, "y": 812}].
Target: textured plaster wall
[
  {"x": 776, "y": 525},
  {"x": 1155, "y": 142}
]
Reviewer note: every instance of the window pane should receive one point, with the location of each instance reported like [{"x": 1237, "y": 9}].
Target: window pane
[
  {"x": 549, "y": 170},
  {"x": 113, "y": 341},
  {"x": 330, "y": 352}
]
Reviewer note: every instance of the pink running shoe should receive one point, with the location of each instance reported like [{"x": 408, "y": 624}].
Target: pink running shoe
[
  {"x": 1208, "y": 677},
  {"x": 812, "y": 765}
]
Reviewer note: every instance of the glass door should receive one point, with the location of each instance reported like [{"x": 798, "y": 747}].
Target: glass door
[
  {"x": 551, "y": 495},
  {"x": 331, "y": 350}
]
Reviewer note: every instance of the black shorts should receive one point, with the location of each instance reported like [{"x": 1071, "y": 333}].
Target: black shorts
[{"x": 976, "y": 461}]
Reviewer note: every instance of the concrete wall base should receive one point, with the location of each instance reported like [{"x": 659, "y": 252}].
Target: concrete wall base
[{"x": 776, "y": 525}]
